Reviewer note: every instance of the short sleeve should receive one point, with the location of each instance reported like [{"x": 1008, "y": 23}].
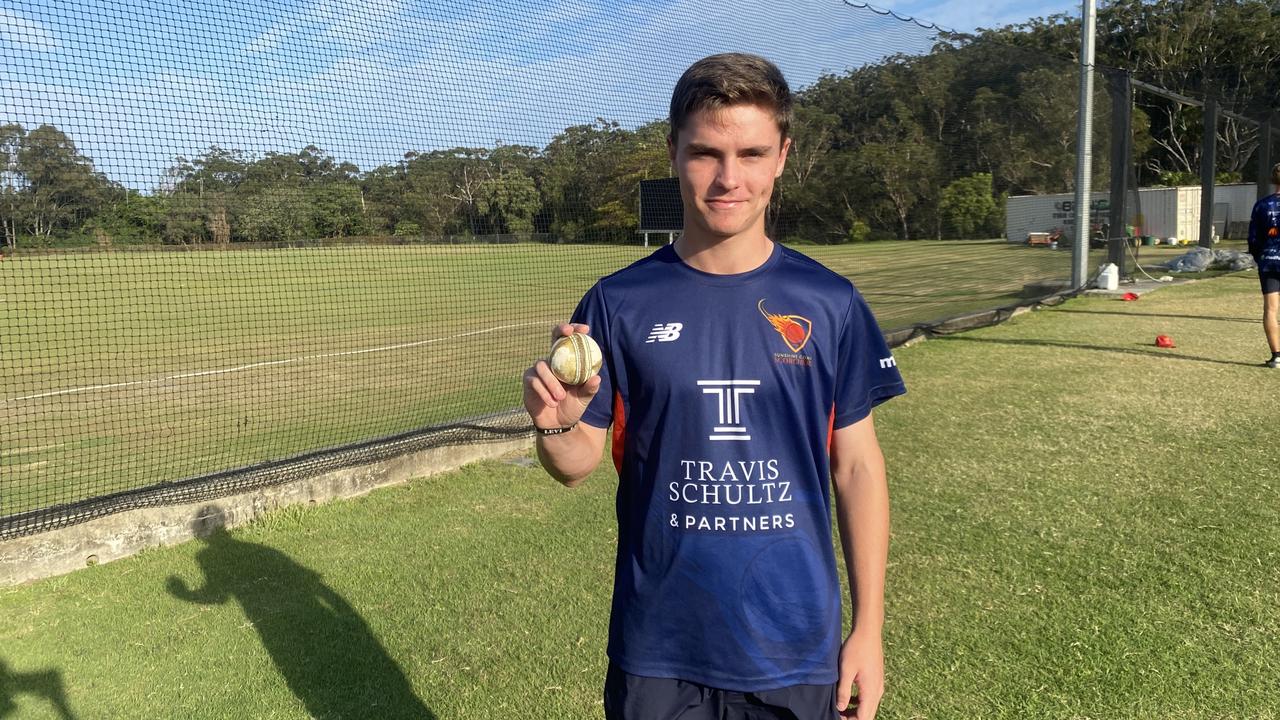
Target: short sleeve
[
  {"x": 591, "y": 311},
  {"x": 867, "y": 373}
]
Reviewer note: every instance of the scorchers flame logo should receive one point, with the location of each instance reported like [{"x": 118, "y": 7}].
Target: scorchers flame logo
[{"x": 795, "y": 330}]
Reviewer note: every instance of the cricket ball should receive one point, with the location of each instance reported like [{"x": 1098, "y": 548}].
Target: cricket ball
[{"x": 575, "y": 358}]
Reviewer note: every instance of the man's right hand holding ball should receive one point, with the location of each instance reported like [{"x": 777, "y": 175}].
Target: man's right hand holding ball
[{"x": 569, "y": 451}]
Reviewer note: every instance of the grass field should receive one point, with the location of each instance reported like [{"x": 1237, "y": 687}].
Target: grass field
[
  {"x": 1085, "y": 526},
  {"x": 128, "y": 369}
]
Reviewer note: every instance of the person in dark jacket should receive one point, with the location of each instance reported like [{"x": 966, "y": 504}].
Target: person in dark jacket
[{"x": 1264, "y": 246}]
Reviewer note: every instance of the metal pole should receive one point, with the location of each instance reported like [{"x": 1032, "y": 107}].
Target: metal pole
[
  {"x": 1208, "y": 160},
  {"x": 1121, "y": 155},
  {"x": 1264, "y": 157},
  {"x": 1084, "y": 149}
]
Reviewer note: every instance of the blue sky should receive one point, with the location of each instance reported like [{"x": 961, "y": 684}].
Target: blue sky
[{"x": 137, "y": 83}]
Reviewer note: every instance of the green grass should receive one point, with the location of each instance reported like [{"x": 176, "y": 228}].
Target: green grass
[
  {"x": 166, "y": 365},
  {"x": 1085, "y": 526}
]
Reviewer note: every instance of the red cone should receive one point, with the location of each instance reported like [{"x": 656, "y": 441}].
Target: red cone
[
  {"x": 1164, "y": 341},
  {"x": 1129, "y": 296}
]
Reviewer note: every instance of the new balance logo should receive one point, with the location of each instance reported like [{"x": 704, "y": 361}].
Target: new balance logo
[
  {"x": 665, "y": 333},
  {"x": 888, "y": 362}
]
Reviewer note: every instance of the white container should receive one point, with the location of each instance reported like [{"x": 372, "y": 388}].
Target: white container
[
  {"x": 1109, "y": 277},
  {"x": 1159, "y": 212}
]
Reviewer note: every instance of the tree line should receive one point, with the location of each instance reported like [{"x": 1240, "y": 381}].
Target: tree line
[{"x": 922, "y": 146}]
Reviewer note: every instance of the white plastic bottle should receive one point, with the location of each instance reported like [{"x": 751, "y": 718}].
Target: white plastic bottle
[{"x": 1109, "y": 277}]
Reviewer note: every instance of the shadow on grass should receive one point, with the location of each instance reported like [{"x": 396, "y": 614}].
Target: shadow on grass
[
  {"x": 1255, "y": 321},
  {"x": 46, "y": 684},
  {"x": 322, "y": 647},
  {"x": 1140, "y": 350}
]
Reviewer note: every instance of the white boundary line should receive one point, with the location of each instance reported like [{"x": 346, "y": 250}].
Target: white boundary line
[{"x": 269, "y": 363}]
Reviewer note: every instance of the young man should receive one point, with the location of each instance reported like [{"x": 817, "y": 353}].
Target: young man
[
  {"x": 1264, "y": 246},
  {"x": 739, "y": 379}
]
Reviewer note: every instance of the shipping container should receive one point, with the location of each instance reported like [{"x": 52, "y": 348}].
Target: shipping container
[{"x": 1162, "y": 212}]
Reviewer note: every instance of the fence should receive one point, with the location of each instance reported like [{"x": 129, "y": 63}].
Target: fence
[{"x": 246, "y": 242}]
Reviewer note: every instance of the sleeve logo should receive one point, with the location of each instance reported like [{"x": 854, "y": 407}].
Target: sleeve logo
[{"x": 795, "y": 330}]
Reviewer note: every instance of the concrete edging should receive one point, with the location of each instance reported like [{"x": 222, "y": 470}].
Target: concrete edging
[{"x": 104, "y": 539}]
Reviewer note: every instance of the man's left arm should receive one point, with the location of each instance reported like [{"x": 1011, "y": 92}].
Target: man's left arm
[
  {"x": 862, "y": 512},
  {"x": 1255, "y": 234}
]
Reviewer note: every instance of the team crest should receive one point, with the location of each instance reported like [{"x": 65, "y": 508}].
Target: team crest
[{"x": 795, "y": 330}]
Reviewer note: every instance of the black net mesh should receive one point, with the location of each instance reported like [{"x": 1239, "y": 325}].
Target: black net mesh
[{"x": 247, "y": 242}]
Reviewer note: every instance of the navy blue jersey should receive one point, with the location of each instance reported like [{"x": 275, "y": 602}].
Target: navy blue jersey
[
  {"x": 723, "y": 392},
  {"x": 1264, "y": 234}
]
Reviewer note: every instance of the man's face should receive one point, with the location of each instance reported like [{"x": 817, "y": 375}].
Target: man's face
[{"x": 727, "y": 161}]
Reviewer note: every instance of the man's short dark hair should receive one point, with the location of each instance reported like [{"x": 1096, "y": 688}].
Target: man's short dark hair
[{"x": 727, "y": 80}]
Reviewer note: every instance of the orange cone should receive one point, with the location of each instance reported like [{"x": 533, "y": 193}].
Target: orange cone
[{"x": 1164, "y": 341}]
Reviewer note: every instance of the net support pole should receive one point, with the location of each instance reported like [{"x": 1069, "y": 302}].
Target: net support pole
[
  {"x": 1084, "y": 149},
  {"x": 1208, "y": 161},
  {"x": 1121, "y": 88},
  {"x": 1265, "y": 156}
]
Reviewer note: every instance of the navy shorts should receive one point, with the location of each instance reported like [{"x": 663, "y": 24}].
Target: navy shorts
[
  {"x": 1270, "y": 282},
  {"x": 632, "y": 697}
]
